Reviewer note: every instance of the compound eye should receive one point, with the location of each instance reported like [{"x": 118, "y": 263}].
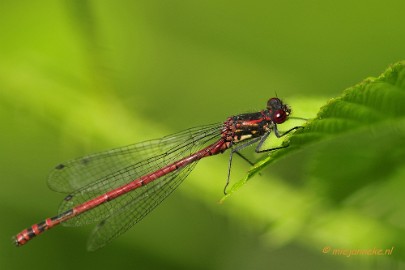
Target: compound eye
[{"x": 279, "y": 116}]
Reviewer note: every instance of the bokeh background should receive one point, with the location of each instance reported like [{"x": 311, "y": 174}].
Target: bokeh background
[{"x": 78, "y": 77}]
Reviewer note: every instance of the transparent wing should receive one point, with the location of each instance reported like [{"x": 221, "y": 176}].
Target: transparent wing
[
  {"x": 75, "y": 174},
  {"x": 135, "y": 209},
  {"x": 165, "y": 151}
]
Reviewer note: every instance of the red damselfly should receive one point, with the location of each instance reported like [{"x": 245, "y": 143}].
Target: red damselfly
[{"x": 119, "y": 187}]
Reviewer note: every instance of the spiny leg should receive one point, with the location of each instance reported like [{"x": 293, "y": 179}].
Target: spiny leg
[
  {"x": 236, "y": 150},
  {"x": 244, "y": 158},
  {"x": 278, "y": 135},
  {"x": 285, "y": 133}
]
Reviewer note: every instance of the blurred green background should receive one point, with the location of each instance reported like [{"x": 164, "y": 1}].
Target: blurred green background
[{"x": 78, "y": 77}]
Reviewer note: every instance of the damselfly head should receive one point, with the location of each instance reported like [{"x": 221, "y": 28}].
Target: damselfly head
[{"x": 278, "y": 111}]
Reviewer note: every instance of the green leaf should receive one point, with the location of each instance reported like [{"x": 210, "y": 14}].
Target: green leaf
[{"x": 356, "y": 139}]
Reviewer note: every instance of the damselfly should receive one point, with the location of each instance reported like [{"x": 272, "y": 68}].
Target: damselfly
[{"x": 119, "y": 187}]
